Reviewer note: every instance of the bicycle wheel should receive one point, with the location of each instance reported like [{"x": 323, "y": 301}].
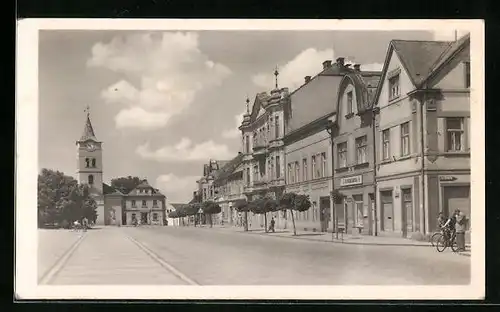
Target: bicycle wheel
[
  {"x": 454, "y": 245},
  {"x": 441, "y": 244},
  {"x": 435, "y": 237}
]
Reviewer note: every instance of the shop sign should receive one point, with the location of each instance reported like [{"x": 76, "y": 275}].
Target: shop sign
[
  {"x": 354, "y": 180},
  {"x": 447, "y": 178}
]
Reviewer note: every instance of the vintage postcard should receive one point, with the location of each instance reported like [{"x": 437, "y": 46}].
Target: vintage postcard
[{"x": 250, "y": 159}]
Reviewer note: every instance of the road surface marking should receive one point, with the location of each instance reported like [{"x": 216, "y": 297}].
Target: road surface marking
[
  {"x": 162, "y": 262},
  {"x": 49, "y": 275}
]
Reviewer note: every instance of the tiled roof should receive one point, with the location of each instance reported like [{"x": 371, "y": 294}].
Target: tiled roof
[
  {"x": 109, "y": 190},
  {"x": 145, "y": 185},
  {"x": 454, "y": 47},
  {"x": 419, "y": 57},
  {"x": 228, "y": 168},
  {"x": 176, "y": 205},
  {"x": 88, "y": 131}
]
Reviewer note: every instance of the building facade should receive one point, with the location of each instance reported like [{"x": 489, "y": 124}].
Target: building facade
[
  {"x": 308, "y": 144},
  {"x": 114, "y": 207},
  {"x": 229, "y": 188},
  {"x": 263, "y": 149},
  {"x": 353, "y": 152},
  {"x": 422, "y": 135},
  {"x": 145, "y": 205},
  {"x": 207, "y": 191}
]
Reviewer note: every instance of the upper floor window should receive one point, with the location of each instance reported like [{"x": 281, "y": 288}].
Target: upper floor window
[
  {"x": 323, "y": 164},
  {"x": 278, "y": 167},
  {"x": 386, "y": 143},
  {"x": 455, "y": 134},
  {"x": 393, "y": 87},
  {"x": 91, "y": 179},
  {"x": 248, "y": 176},
  {"x": 290, "y": 174},
  {"x": 467, "y": 74},
  {"x": 93, "y": 162},
  {"x": 144, "y": 203},
  {"x": 361, "y": 144},
  {"x": 155, "y": 203},
  {"x": 87, "y": 162},
  {"x": 405, "y": 139},
  {"x": 342, "y": 154},
  {"x": 349, "y": 102},
  {"x": 304, "y": 169},
  {"x": 277, "y": 126},
  {"x": 297, "y": 171},
  {"x": 133, "y": 202},
  {"x": 313, "y": 167},
  {"x": 247, "y": 144}
]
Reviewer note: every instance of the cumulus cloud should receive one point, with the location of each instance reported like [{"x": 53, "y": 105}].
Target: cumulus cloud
[
  {"x": 175, "y": 188},
  {"x": 234, "y": 132},
  {"x": 307, "y": 63},
  {"x": 137, "y": 117},
  {"x": 291, "y": 75},
  {"x": 169, "y": 67},
  {"x": 185, "y": 150},
  {"x": 372, "y": 67}
]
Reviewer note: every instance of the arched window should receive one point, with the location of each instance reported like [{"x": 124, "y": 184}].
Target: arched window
[
  {"x": 87, "y": 162},
  {"x": 93, "y": 162},
  {"x": 91, "y": 179}
]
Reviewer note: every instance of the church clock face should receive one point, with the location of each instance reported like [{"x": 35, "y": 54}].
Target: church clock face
[{"x": 90, "y": 147}]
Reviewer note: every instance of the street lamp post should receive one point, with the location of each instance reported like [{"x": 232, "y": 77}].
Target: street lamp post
[{"x": 330, "y": 128}]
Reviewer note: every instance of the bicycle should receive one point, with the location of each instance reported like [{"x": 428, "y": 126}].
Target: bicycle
[
  {"x": 435, "y": 237},
  {"x": 445, "y": 241}
]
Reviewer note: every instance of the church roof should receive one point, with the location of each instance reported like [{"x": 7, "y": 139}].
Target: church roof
[
  {"x": 88, "y": 131},
  {"x": 109, "y": 190}
]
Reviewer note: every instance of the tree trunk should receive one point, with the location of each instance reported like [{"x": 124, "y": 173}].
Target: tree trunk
[
  {"x": 293, "y": 221},
  {"x": 265, "y": 222},
  {"x": 246, "y": 221}
]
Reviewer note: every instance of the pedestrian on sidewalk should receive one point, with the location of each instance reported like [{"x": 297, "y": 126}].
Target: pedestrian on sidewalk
[
  {"x": 460, "y": 227},
  {"x": 271, "y": 226}
]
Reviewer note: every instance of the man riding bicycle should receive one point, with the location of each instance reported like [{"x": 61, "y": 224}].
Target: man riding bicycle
[{"x": 449, "y": 228}]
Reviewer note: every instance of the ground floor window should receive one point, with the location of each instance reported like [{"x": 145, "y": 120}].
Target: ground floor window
[
  {"x": 358, "y": 210},
  {"x": 155, "y": 216}
]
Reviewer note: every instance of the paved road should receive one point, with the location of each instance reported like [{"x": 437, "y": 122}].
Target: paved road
[{"x": 171, "y": 255}]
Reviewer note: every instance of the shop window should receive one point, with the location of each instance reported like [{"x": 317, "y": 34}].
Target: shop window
[{"x": 155, "y": 216}]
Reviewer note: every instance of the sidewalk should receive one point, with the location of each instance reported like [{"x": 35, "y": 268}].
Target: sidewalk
[{"x": 329, "y": 238}]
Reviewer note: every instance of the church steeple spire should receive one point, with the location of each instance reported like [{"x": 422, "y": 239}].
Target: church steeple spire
[{"x": 88, "y": 130}]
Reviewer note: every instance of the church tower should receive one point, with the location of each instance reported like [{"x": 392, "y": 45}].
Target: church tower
[{"x": 89, "y": 158}]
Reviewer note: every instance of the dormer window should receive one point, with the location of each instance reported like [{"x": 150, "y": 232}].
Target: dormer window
[
  {"x": 467, "y": 74},
  {"x": 349, "y": 102},
  {"x": 394, "y": 87}
]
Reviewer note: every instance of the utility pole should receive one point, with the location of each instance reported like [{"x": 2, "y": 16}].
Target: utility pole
[{"x": 330, "y": 130}]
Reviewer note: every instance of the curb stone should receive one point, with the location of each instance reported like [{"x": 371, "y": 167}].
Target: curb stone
[{"x": 332, "y": 241}]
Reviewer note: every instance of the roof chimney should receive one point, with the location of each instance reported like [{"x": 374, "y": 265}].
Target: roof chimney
[
  {"x": 327, "y": 64},
  {"x": 307, "y": 79},
  {"x": 340, "y": 61},
  {"x": 357, "y": 67}
]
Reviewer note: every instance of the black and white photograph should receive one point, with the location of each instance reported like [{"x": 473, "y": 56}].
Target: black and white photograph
[{"x": 253, "y": 160}]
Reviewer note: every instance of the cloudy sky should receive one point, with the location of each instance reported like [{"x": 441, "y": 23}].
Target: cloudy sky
[{"x": 164, "y": 103}]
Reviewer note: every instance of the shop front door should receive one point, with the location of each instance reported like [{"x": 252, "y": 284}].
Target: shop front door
[{"x": 386, "y": 212}]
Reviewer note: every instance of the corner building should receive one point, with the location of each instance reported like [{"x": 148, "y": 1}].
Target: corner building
[
  {"x": 263, "y": 154},
  {"x": 423, "y": 135}
]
